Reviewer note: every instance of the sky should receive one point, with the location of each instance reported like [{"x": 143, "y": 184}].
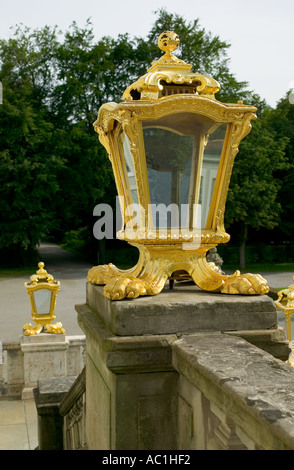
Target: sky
[{"x": 261, "y": 32}]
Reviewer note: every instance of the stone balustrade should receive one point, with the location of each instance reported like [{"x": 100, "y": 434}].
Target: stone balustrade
[
  {"x": 73, "y": 410},
  {"x": 24, "y": 362},
  {"x": 226, "y": 394},
  {"x": 185, "y": 370},
  {"x": 232, "y": 395}
]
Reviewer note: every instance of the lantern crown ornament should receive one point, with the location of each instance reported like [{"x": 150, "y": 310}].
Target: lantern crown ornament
[
  {"x": 172, "y": 145},
  {"x": 170, "y": 75},
  {"x": 42, "y": 291}
]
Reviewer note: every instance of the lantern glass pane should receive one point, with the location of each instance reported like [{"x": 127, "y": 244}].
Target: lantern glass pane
[
  {"x": 129, "y": 176},
  {"x": 129, "y": 165},
  {"x": 43, "y": 301},
  {"x": 209, "y": 169},
  {"x": 182, "y": 154}
]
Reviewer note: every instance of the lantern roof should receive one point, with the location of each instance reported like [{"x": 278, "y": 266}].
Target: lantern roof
[
  {"x": 170, "y": 75},
  {"x": 41, "y": 276}
]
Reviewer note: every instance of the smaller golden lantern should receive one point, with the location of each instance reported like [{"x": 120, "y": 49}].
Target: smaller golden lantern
[
  {"x": 42, "y": 291},
  {"x": 285, "y": 303}
]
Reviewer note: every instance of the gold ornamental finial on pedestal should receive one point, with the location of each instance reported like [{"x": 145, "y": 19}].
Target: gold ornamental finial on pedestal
[
  {"x": 42, "y": 291},
  {"x": 285, "y": 302}
]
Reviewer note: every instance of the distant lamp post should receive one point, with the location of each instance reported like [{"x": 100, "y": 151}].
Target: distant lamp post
[
  {"x": 42, "y": 291},
  {"x": 172, "y": 145},
  {"x": 285, "y": 302}
]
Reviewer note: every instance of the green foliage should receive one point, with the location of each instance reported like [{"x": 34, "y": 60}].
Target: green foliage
[
  {"x": 252, "y": 200},
  {"x": 53, "y": 171},
  {"x": 28, "y": 168},
  {"x": 281, "y": 120},
  {"x": 254, "y": 185}
]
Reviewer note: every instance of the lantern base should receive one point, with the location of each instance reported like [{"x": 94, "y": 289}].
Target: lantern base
[
  {"x": 157, "y": 264},
  {"x": 55, "y": 328}
]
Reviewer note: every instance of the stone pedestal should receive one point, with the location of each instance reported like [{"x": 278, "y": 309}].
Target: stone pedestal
[
  {"x": 130, "y": 381},
  {"x": 48, "y": 396},
  {"x": 44, "y": 357}
]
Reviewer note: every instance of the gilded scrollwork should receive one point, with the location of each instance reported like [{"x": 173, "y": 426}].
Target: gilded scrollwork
[{"x": 171, "y": 70}]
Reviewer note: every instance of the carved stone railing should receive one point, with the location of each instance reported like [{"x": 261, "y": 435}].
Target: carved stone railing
[
  {"x": 11, "y": 369},
  {"x": 60, "y": 403},
  {"x": 186, "y": 371},
  {"x": 20, "y": 362},
  {"x": 154, "y": 383},
  {"x": 232, "y": 395},
  {"x": 228, "y": 395},
  {"x": 73, "y": 410}
]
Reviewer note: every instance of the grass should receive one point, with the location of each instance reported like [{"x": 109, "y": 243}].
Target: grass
[{"x": 16, "y": 272}]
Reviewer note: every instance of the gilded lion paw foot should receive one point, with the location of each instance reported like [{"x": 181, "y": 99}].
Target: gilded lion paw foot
[
  {"x": 247, "y": 284},
  {"x": 102, "y": 274},
  {"x": 30, "y": 329},
  {"x": 119, "y": 288}
]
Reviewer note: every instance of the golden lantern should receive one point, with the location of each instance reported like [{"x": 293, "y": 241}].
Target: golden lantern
[
  {"x": 42, "y": 291},
  {"x": 172, "y": 146}
]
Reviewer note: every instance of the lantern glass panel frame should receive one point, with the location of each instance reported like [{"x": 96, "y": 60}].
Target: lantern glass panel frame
[{"x": 206, "y": 141}]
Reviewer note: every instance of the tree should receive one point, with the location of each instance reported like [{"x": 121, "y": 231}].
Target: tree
[
  {"x": 28, "y": 173},
  {"x": 253, "y": 193},
  {"x": 281, "y": 120},
  {"x": 54, "y": 171}
]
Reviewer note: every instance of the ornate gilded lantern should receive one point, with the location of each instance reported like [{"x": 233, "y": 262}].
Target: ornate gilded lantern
[
  {"x": 42, "y": 291},
  {"x": 172, "y": 147}
]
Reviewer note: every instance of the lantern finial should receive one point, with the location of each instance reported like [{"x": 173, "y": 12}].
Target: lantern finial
[{"x": 168, "y": 41}]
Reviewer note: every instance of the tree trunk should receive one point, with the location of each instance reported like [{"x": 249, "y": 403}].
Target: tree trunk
[{"x": 244, "y": 233}]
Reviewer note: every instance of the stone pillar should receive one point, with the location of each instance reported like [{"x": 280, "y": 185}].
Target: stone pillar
[
  {"x": 44, "y": 356},
  {"x": 131, "y": 385},
  {"x": 48, "y": 396}
]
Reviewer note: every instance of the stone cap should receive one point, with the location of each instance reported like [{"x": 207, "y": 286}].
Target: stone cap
[
  {"x": 52, "y": 390},
  {"x": 255, "y": 389},
  {"x": 183, "y": 310}
]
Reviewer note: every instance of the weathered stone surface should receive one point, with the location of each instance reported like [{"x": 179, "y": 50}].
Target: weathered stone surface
[
  {"x": 36, "y": 357},
  {"x": 123, "y": 354},
  {"x": 48, "y": 396},
  {"x": 161, "y": 371},
  {"x": 53, "y": 390},
  {"x": 255, "y": 390},
  {"x": 44, "y": 357},
  {"x": 272, "y": 341},
  {"x": 181, "y": 310},
  {"x": 130, "y": 388}
]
